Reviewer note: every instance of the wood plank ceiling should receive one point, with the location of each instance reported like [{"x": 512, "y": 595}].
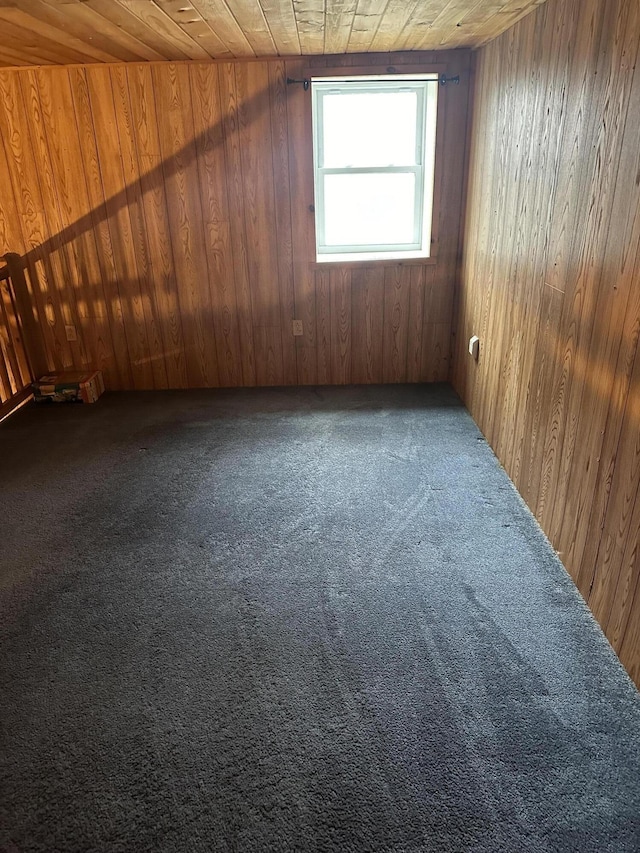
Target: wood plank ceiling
[{"x": 62, "y": 32}]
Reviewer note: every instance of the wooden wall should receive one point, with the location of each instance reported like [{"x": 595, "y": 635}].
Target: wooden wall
[
  {"x": 551, "y": 284},
  {"x": 164, "y": 211}
]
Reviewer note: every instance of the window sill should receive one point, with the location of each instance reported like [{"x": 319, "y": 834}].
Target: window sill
[{"x": 357, "y": 263}]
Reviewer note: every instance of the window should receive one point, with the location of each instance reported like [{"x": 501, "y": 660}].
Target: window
[{"x": 374, "y": 152}]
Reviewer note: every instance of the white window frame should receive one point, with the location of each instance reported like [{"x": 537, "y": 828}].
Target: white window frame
[{"x": 426, "y": 88}]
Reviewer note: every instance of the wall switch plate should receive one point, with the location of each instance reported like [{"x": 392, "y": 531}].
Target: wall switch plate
[
  {"x": 474, "y": 346},
  {"x": 71, "y": 333},
  {"x": 297, "y": 327}
]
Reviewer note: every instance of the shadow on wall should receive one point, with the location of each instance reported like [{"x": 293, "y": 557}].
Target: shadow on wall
[
  {"x": 557, "y": 392},
  {"x": 160, "y": 283}
]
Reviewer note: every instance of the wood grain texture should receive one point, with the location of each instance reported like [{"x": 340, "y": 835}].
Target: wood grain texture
[
  {"x": 549, "y": 281},
  {"x": 63, "y": 32},
  {"x": 186, "y": 223},
  {"x": 164, "y": 211},
  {"x": 22, "y": 182}
]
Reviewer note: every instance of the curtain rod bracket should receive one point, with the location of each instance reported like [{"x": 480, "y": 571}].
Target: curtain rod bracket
[
  {"x": 444, "y": 80},
  {"x": 305, "y": 83}
]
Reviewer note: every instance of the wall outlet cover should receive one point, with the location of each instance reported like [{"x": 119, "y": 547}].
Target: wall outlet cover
[{"x": 474, "y": 346}]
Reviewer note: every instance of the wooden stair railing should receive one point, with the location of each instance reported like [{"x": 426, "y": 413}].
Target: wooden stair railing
[{"x": 22, "y": 354}]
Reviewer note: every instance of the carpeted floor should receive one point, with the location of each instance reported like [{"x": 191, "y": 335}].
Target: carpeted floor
[{"x": 294, "y": 620}]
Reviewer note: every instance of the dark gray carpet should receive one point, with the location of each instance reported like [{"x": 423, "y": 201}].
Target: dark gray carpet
[{"x": 301, "y": 620}]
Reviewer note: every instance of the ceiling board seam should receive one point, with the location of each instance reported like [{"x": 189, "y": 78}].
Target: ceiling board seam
[
  {"x": 235, "y": 17},
  {"x": 384, "y": 12}
]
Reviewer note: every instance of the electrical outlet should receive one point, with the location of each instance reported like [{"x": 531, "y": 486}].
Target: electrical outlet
[
  {"x": 71, "y": 333},
  {"x": 297, "y": 328},
  {"x": 474, "y": 347}
]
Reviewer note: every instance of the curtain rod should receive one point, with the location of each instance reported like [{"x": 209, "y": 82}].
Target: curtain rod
[{"x": 442, "y": 79}]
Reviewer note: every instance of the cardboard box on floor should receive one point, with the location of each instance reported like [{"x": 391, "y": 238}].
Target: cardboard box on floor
[{"x": 70, "y": 386}]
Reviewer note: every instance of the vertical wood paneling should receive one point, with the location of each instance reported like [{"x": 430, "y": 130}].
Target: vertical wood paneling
[
  {"x": 208, "y": 126},
  {"x": 98, "y": 221},
  {"x": 179, "y": 167},
  {"x": 165, "y": 212},
  {"x": 158, "y": 233},
  {"x": 367, "y": 324},
  {"x": 323, "y": 325},
  {"x": 340, "y": 295},
  {"x": 302, "y": 223},
  {"x": 282, "y": 190},
  {"x": 416, "y": 324},
  {"x": 254, "y": 126},
  {"x": 131, "y": 172},
  {"x": 56, "y": 104},
  {"x": 549, "y": 283},
  {"x": 124, "y": 240},
  {"x": 22, "y": 169},
  {"x": 397, "y": 295},
  {"x": 235, "y": 200},
  {"x": 67, "y": 285}
]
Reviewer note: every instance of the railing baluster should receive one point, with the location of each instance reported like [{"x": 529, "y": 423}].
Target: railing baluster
[{"x": 8, "y": 344}]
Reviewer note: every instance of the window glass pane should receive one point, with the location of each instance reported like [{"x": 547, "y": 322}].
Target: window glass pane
[
  {"x": 363, "y": 129},
  {"x": 369, "y": 209}
]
